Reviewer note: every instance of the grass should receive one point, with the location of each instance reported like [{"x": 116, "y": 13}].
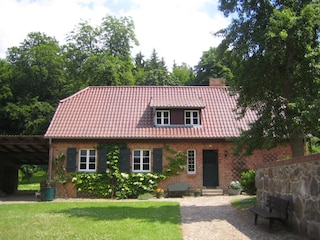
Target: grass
[
  {"x": 34, "y": 183},
  {"x": 91, "y": 220},
  {"x": 245, "y": 203}
]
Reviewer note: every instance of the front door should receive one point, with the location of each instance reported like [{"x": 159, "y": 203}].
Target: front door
[{"x": 210, "y": 168}]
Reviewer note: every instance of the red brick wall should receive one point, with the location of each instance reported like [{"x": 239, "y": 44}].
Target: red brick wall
[{"x": 226, "y": 161}]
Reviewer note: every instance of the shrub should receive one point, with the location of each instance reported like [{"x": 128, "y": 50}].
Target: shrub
[{"x": 248, "y": 182}]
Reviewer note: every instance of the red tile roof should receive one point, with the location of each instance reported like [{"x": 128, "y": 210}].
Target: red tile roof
[{"x": 121, "y": 112}]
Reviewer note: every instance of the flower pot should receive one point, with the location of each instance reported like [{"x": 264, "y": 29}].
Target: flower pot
[
  {"x": 234, "y": 191},
  {"x": 49, "y": 194}
]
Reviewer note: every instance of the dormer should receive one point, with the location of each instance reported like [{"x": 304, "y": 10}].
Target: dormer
[{"x": 177, "y": 112}]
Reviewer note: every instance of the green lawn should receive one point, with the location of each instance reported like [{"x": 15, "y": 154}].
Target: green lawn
[
  {"x": 34, "y": 183},
  {"x": 245, "y": 203},
  {"x": 91, "y": 220}
]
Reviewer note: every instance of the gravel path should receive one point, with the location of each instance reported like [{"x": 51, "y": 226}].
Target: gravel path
[
  {"x": 215, "y": 218},
  {"x": 209, "y": 218}
]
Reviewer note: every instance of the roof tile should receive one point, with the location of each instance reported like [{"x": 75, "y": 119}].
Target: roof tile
[{"x": 126, "y": 112}]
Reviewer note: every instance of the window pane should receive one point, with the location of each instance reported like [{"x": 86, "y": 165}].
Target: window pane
[
  {"x": 195, "y": 114},
  {"x": 92, "y": 166},
  {"x": 136, "y": 153},
  {"x": 166, "y": 114},
  {"x": 145, "y": 153},
  {"x": 82, "y": 166}
]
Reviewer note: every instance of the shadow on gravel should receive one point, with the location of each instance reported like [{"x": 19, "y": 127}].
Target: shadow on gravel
[{"x": 226, "y": 216}]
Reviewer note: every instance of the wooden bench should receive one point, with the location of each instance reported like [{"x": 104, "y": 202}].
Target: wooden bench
[
  {"x": 177, "y": 189},
  {"x": 277, "y": 209}
]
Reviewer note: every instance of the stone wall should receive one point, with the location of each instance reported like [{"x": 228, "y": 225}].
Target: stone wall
[{"x": 298, "y": 180}]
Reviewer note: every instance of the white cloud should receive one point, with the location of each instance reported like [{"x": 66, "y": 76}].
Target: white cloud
[{"x": 179, "y": 30}]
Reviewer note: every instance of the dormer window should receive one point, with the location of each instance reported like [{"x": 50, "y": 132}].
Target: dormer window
[
  {"x": 178, "y": 112},
  {"x": 191, "y": 117},
  {"x": 162, "y": 117}
]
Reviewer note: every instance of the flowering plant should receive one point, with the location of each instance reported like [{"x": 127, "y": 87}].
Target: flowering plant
[
  {"x": 197, "y": 190},
  {"x": 235, "y": 185},
  {"x": 159, "y": 190}
]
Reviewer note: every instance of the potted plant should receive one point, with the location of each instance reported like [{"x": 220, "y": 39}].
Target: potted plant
[
  {"x": 197, "y": 192},
  {"x": 47, "y": 190},
  {"x": 159, "y": 192},
  {"x": 234, "y": 188}
]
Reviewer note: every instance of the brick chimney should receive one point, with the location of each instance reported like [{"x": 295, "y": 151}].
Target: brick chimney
[{"x": 217, "y": 82}]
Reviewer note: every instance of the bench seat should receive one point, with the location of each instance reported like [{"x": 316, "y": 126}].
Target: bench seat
[
  {"x": 277, "y": 209},
  {"x": 177, "y": 189}
]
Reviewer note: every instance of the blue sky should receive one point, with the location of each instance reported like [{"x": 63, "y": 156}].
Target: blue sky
[{"x": 179, "y": 30}]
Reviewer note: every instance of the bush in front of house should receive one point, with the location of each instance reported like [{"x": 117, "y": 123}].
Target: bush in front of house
[
  {"x": 120, "y": 186},
  {"x": 248, "y": 182}
]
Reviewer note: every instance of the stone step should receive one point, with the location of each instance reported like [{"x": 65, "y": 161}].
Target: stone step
[{"x": 212, "y": 192}]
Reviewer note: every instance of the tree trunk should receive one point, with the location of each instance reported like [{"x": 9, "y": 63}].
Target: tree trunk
[{"x": 297, "y": 145}]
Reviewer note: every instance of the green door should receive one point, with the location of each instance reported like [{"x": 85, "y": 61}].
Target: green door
[{"x": 210, "y": 168}]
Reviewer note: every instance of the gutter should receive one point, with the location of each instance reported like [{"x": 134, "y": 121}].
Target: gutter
[{"x": 50, "y": 159}]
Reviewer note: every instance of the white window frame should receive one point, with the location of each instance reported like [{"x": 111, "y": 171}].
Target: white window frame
[
  {"x": 141, "y": 157},
  {"x": 191, "y": 161},
  {"x": 87, "y": 156},
  {"x": 162, "y": 118},
  {"x": 192, "y": 118}
]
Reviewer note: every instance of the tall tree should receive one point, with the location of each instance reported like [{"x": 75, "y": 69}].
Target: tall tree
[
  {"x": 101, "y": 55},
  {"x": 5, "y": 94},
  {"x": 155, "y": 71},
  {"x": 38, "y": 68},
  {"x": 279, "y": 72},
  {"x": 212, "y": 65},
  {"x": 182, "y": 75},
  {"x": 36, "y": 79}
]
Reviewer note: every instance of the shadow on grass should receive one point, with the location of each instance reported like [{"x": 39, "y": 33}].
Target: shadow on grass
[{"x": 117, "y": 211}]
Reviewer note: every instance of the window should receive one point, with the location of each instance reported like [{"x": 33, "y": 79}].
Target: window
[
  {"x": 192, "y": 117},
  {"x": 141, "y": 161},
  {"x": 87, "y": 160},
  {"x": 162, "y": 117},
  {"x": 191, "y": 162}
]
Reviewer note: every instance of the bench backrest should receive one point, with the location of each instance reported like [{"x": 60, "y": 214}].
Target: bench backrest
[
  {"x": 278, "y": 204},
  {"x": 178, "y": 186}
]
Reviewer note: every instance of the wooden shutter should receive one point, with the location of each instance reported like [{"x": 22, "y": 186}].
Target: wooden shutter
[
  {"x": 124, "y": 160},
  {"x": 71, "y": 159},
  {"x": 157, "y": 160},
  {"x": 102, "y": 160}
]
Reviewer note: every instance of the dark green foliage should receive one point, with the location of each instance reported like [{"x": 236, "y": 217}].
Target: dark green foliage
[
  {"x": 213, "y": 65},
  {"x": 277, "y": 73},
  {"x": 248, "y": 182},
  {"x": 28, "y": 171}
]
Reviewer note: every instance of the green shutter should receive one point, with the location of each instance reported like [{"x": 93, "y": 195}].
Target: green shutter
[
  {"x": 71, "y": 159},
  {"x": 157, "y": 160},
  {"x": 102, "y": 160},
  {"x": 125, "y": 160}
]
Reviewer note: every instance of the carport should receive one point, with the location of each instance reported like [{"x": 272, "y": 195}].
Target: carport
[{"x": 16, "y": 150}]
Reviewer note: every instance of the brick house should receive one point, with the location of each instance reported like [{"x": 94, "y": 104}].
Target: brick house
[{"x": 197, "y": 120}]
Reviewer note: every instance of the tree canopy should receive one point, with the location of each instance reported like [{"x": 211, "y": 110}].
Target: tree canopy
[{"x": 278, "y": 74}]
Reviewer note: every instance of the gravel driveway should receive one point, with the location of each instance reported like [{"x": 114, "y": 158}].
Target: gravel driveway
[{"x": 215, "y": 218}]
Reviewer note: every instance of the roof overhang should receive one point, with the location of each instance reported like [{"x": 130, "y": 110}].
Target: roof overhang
[
  {"x": 186, "y": 103},
  {"x": 24, "y": 149}
]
